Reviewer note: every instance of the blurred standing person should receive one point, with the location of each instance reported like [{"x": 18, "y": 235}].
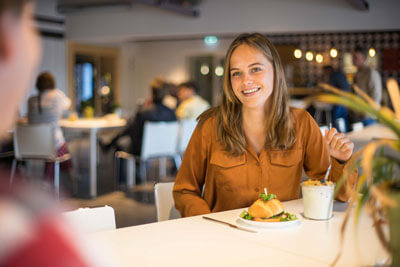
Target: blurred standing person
[
  {"x": 31, "y": 232},
  {"x": 191, "y": 104},
  {"x": 368, "y": 80},
  {"x": 47, "y": 107},
  {"x": 338, "y": 79}
]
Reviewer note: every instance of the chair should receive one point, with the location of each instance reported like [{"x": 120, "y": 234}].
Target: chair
[
  {"x": 164, "y": 202},
  {"x": 90, "y": 220},
  {"x": 186, "y": 131},
  {"x": 37, "y": 142},
  {"x": 160, "y": 140},
  {"x": 320, "y": 109}
]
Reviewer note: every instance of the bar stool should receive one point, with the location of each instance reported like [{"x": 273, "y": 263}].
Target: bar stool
[{"x": 323, "y": 109}]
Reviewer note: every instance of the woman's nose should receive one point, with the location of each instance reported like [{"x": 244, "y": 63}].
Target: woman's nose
[{"x": 247, "y": 79}]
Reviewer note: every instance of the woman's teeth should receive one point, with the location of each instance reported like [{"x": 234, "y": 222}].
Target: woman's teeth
[{"x": 250, "y": 91}]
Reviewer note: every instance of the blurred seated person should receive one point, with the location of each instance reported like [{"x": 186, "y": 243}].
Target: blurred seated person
[
  {"x": 337, "y": 79},
  {"x": 171, "y": 100},
  {"x": 47, "y": 107},
  {"x": 32, "y": 233},
  {"x": 155, "y": 111},
  {"x": 191, "y": 104}
]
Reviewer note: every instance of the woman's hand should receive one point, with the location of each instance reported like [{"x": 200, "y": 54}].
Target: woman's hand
[{"x": 341, "y": 148}]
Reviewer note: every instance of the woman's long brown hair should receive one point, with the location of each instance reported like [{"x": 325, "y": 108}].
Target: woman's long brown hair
[{"x": 279, "y": 126}]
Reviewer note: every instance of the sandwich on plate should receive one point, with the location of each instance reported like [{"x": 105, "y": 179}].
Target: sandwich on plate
[{"x": 267, "y": 208}]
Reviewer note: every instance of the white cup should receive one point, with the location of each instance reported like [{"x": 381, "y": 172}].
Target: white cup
[{"x": 318, "y": 201}]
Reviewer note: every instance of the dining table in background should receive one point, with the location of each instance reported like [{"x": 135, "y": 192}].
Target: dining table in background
[
  {"x": 92, "y": 126},
  {"x": 362, "y": 137},
  {"x": 194, "y": 241}
]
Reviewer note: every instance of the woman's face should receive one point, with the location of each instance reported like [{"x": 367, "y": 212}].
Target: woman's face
[
  {"x": 18, "y": 63},
  {"x": 252, "y": 76}
]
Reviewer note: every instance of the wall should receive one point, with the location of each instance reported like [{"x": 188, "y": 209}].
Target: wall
[
  {"x": 53, "y": 50},
  {"x": 231, "y": 17},
  {"x": 143, "y": 61}
]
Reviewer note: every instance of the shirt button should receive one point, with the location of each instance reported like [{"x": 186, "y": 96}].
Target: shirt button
[
  {"x": 258, "y": 163},
  {"x": 257, "y": 190}
]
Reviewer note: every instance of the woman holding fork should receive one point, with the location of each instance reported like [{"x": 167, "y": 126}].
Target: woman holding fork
[{"x": 253, "y": 139}]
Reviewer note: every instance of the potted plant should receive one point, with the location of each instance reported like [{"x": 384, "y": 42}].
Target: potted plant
[{"x": 378, "y": 186}]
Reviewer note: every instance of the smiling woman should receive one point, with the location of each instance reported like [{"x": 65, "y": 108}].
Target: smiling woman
[{"x": 254, "y": 140}]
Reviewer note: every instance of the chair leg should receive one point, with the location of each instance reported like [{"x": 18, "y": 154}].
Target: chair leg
[
  {"x": 162, "y": 168},
  {"x": 117, "y": 171},
  {"x": 328, "y": 117},
  {"x": 57, "y": 178},
  {"x": 142, "y": 169},
  {"x": 13, "y": 168},
  {"x": 131, "y": 173}
]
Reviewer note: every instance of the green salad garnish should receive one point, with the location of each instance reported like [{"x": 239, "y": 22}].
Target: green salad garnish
[
  {"x": 286, "y": 216},
  {"x": 283, "y": 217},
  {"x": 246, "y": 215},
  {"x": 267, "y": 197}
]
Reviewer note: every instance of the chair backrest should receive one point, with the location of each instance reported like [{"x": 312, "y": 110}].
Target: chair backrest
[
  {"x": 159, "y": 139},
  {"x": 164, "y": 201},
  {"x": 35, "y": 141},
  {"x": 89, "y": 220},
  {"x": 186, "y": 131}
]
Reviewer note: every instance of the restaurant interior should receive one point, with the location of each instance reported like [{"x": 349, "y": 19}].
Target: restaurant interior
[{"x": 104, "y": 56}]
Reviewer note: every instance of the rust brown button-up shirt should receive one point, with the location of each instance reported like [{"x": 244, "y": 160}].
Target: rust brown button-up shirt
[{"x": 236, "y": 182}]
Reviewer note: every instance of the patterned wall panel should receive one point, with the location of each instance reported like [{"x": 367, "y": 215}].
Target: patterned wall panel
[{"x": 386, "y": 44}]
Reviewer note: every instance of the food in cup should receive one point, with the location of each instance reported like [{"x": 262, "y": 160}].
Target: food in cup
[
  {"x": 318, "y": 199},
  {"x": 317, "y": 183}
]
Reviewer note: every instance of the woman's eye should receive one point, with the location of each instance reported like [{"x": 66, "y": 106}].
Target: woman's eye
[
  {"x": 256, "y": 69},
  {"x": 236, "y": 73}
]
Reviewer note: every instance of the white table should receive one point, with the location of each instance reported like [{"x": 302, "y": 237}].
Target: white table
[
  {"x": 376, "y": 131},
  {"x": 195, "y": 241},
  {"x": 92, "y": 126}
]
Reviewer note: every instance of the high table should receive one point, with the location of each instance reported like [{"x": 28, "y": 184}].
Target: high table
[
  {"x": 195, "y": 241},
  {"x": 92, "y": 126}
]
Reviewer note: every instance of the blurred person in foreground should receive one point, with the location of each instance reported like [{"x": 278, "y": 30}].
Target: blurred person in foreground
[
  {"x": 32, "y": 233},
  {"x": 253, "y": 139},
  {"x": 153, "y": 111},
  {"x": 191, "y": 104},
  {"x": 368, "y": 80},
  {"x": 47, "y": 107},
  {"x": 338, "y": 79}
]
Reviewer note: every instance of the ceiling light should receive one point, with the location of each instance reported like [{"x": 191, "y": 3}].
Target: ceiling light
[
  {"x": 319, "y": 58},
  {"x": 309, "y": 56},
  {"x": 371, "y": 52},
  {"x": 219, "y": 71},
  {"x": 204, "y": 69},
  {"x": 333, "y": 52},
  {"x": 297, "y": 53}
]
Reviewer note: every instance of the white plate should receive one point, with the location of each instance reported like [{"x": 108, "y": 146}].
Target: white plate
[{"x": 272, "y": 224}]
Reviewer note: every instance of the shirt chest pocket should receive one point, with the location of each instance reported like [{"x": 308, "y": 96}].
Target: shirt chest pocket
[
  {"x": 285, "y": 166},
  {"x": 286, "y": 158},
  {"x": 228, "y": 172}
]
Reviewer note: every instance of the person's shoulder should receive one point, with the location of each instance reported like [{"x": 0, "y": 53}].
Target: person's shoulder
[
  {"x": 32, "y": 98},
  {"x": 299, "y": 114},
  {"x": 207, "y": 120}
]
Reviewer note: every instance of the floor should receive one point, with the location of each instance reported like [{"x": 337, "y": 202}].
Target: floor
[{"x": 132, "y": 207}]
